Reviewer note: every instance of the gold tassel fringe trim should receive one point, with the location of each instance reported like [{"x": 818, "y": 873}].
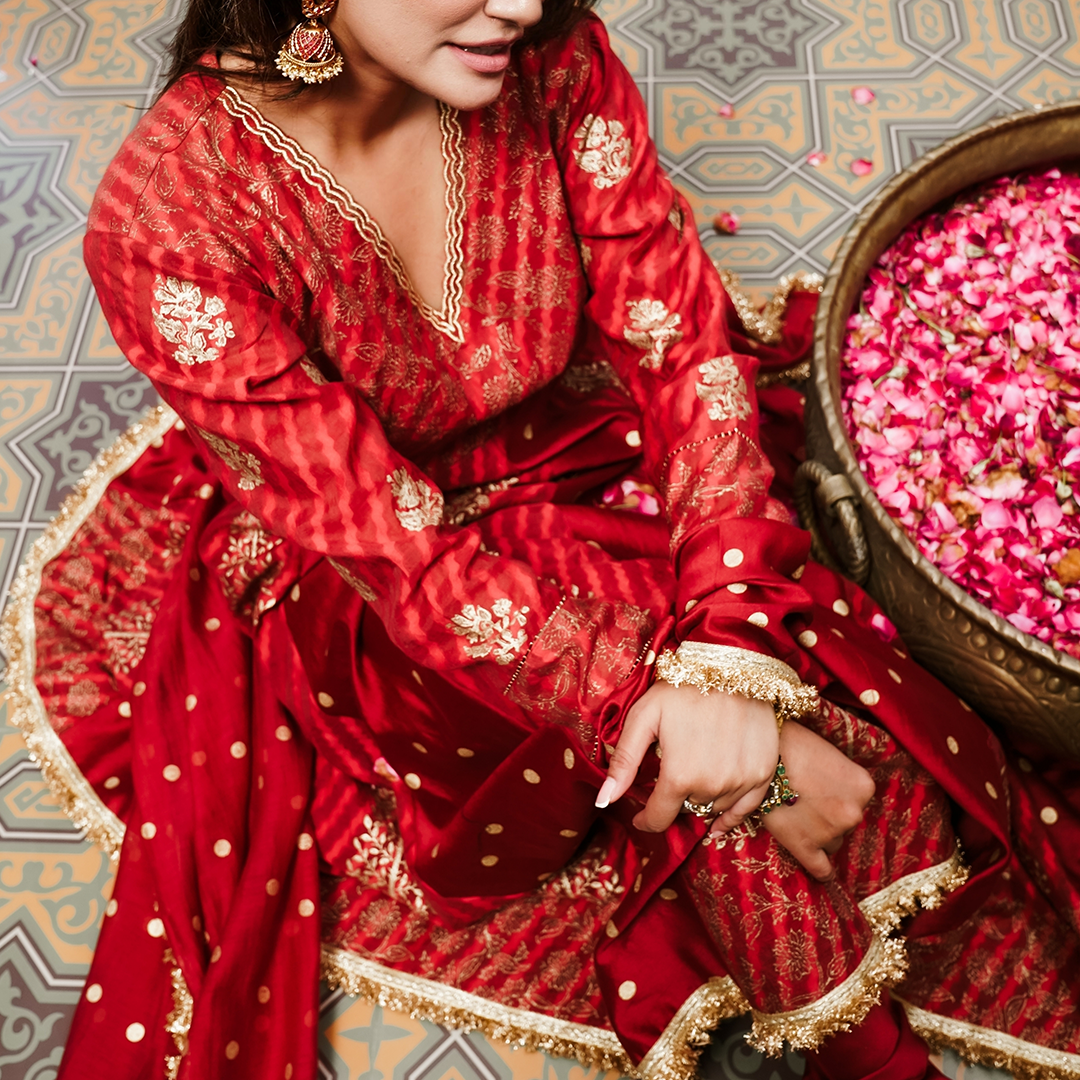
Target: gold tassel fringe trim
[
  {"x": 428, "y": 1000},
  {"x": 885, "y": 910},
  {"x": 675, "y": 1055},
  {"x": 984, "y": 1046},
  {"x": 884, "y": 964},
  {"x": 767, "y": 325},
  {"x": 18, "y": 637}
]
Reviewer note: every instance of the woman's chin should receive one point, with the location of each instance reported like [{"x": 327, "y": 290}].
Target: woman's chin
[{"x": 466, "y": 90}]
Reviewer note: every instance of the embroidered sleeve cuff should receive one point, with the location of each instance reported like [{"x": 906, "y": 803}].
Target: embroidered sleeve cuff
[{"x": 739, "y": 671}]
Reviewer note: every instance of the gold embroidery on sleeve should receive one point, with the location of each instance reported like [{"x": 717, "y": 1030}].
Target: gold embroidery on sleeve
[
  {"x": 724, "y": 388},
  {"x": 415, "y": 504},
  {"x": 491, "y": 633},
  {"x": 604, "y": 150},
  {"x": 180, "y": 322},
  {"x": 652, "y": 328},
  {"x": 379, "y": 863},
  {"x": 240, "y": 461}
]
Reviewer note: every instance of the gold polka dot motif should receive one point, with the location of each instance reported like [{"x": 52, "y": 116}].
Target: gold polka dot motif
[
  {"x": 759, "y": 618},
  {"x": 569, "y": 834},
  {"x": 306, "y": 908},
  {"x": 841, "y": 607},
  {"x": 627, "y": 989},
  {"x": 325, "y": 700},
  {"x": 668, "y": 894},
  {"x": 733, "y": 557},
  {"x": 222, "y": 849},
  {"x": 1048, "y": 815},
  {"x": 212, "y": 624},
  {"x": 305, "y": 841},
  {"x": 870, "y": 698},
  {"x": 953, "y": 745},
  {"x": 238, "y": 749},
  {"x": 112, "y": 907},
  {"x": 283, "y": 733},
  {"x": 531, "y": 776},
  {"x": 568, "y": 758},
  {"x": 464, "y": 751},
  {"x": 155, "y": 928},
  {"x": 124, "y": 709},
  {"x": 112, "y": 782},
  {"x": 489, "y": 860},
  {"x": 190, "y": 702},
  {"x": 413, "y": 781},
  {"x": 171, "y": 773},
  {"x": 493, "y": 829},
  {"x": 737, "y": 587},
  {"x": 991, "y": 790},
  {"x": 611, "y": 929},
  {"x": 273, "y": 887},
  {"x": 232, "y": 1050},
  {"x": 94, "y": 992},
  {"x": 264, "y": 994},
  {"x": 633, "y": 439},
  {"x": 148, "y": 830},
  {"x": 808, "y": 639},
  {"x": 135, "y": 1033},
  {"x": 139, "y": 689}
]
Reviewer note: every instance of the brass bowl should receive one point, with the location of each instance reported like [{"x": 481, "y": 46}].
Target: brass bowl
[{"x": 1006, "y": 675}]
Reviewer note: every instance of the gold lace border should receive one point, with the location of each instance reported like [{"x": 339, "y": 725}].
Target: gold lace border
[
  {"x": 673, "y": 1056},
  {"x": 18, "y": 636},
  {"x": 984, "y": 1046}
]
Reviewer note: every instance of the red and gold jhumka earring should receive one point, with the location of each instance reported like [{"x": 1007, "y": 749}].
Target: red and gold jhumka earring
[{"x": 311, "y": 53}]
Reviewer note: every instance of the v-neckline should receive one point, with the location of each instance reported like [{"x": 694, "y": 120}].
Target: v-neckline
[{"x": 448, "y": 319}]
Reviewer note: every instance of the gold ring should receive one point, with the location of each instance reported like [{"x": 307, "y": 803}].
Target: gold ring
[{"x": 698, "y": 809}]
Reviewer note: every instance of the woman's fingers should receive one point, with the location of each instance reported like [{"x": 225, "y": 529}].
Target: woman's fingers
[
  {"x": 638, "y": 734},
  {"x": 816, "y": 863},
  {"x": 737, "y": 813},
  {"x": 663, "y": 806}
]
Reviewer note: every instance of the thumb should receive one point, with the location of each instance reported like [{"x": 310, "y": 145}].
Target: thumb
[{"x": 638, "y": 734}]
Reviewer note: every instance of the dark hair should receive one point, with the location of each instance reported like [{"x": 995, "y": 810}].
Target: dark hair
[{"x": 256, "y": 29}]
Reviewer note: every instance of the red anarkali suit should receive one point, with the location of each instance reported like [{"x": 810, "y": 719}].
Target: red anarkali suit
[{"x": 337, "y": 643}]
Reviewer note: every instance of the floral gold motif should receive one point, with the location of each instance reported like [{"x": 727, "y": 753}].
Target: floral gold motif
[
  {"x": 199, "y": 336},
  {"x": 415, "y": 504},
  {"x": 379, "y": 863},
  {"x": 604, "y": 150},
  {"x": 178, "y": 1022},
  {"x": 491, "y": 633},
  {"x": 248, "y": 567},
  {"x": 240, "y": 461},
  {"x": 724, "y": 388},
  {"x": 652, "y": 328}
]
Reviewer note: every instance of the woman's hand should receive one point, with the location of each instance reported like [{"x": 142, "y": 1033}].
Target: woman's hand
[
  {"x": 715, "y": 747},
  {"x": 833, "y": 793}
]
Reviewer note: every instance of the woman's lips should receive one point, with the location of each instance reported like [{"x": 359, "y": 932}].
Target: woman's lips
[{"x": 487, "y": 62}]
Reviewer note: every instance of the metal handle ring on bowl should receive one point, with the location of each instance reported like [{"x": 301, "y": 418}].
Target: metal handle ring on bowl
[{"x": 819, "y": 489}]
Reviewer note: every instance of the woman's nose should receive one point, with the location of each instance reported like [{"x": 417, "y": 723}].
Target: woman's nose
[{"x": 523, "y": 12}]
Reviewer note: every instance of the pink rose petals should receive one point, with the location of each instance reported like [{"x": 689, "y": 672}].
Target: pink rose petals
[
  {"x": 862, "y": 167},
  {"x": 961, "y": 381},
  {"x": 727, "y": 223},
  {"x": 863, "y": 95},
  {"x": 727, "y": 111},
  {"x": 816, "y": 158}
]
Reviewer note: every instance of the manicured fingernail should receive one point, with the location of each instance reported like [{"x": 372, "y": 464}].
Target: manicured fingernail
[{"x": 607, "y": 789}]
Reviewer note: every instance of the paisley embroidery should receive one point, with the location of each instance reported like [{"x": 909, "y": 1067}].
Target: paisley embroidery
[
  {"x": 604, "y": 152},
  {"x": 491, "y": 633},
  {"x": 415, "y": 504},
  {"x": 179, "y": 321},
  {"x": 652, "y": 328},
  {"x": 724, "y": 388},
  {"x": 240, "y": 461}
]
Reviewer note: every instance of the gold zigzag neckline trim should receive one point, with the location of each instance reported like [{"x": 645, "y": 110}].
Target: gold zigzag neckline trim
[
  {"x": 674, "y": 1055},
  {"x": 448, "y": 320}
]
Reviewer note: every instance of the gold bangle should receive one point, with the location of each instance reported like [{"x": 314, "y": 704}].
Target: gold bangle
[{"x": 739, "y": 671}]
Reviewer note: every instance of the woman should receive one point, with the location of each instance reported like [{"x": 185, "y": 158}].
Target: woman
[{"x": 362, "y": 614}]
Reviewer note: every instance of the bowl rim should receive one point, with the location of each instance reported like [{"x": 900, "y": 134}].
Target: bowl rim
[{"x": 831, "y": 408}]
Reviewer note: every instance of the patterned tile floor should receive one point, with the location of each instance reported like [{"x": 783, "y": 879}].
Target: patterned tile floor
[{"x": 74, "y": 75}]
